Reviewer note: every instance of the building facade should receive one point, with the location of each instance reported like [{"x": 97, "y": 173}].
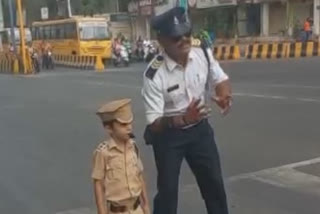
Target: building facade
[{"x": 250, "y": 18}]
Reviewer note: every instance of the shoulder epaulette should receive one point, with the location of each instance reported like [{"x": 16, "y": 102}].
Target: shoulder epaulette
[
  {"x": 196, "y": 43},
  {"x": 101, "y": 146},
  {"x": 155, "y": 65},
  {"x": 199, "y": 43},
  {"x": 136, "y": 149}
]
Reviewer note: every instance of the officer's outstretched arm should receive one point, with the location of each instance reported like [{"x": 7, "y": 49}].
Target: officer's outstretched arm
[{"x": 99, "y": 196}]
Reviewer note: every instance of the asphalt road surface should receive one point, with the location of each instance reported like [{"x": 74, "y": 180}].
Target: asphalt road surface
[{"x": 269, "y": 144}]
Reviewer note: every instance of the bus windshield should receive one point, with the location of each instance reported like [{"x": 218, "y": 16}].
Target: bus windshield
[{"x": 94, "y": 31}]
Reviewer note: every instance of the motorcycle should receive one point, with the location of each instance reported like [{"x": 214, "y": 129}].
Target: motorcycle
[
  {"x": 128, "y": 47},
  {"x": 149, "y": 52},
  {"x": 121, "y": 55},
  {"x": 35, "y": 62},
  {"x": 139, "y": 53},
  {"x": 50, "y": 63}
]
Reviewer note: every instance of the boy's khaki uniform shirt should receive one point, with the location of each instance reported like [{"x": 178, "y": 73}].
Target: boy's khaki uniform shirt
[{"x": 120, "y": 169}]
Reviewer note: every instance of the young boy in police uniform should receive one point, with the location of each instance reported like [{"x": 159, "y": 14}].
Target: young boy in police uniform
[{"x": 117, "y": 169}]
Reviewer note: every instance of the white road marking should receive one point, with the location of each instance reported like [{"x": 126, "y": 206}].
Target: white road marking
[
  {"x": 237, "y": 94},
  {"x": 291, "y": 86},
  {"x": 285, "y": 176},
  {"x": 308, "y": 100},
  {"x": 290, "y": 179},
  {"x": 275, "y": 169},
  {"x": 85, "y": 210},
  {"x": 261, "y": 96},
  {"x": 275, "y": 97}
]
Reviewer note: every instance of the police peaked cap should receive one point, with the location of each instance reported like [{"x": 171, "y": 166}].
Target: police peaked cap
[{"x": 173, "y": 23}]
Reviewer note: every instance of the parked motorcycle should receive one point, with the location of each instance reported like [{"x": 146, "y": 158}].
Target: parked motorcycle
[
  {"x": 149, "y": 52},
  {"x": 35, "y": 62},
  {"x": 121, "y": 55},
  {"x": 139, "y": 53},
  {"x": 128, "y": 47},
  {"x": 50, "y": 62}
]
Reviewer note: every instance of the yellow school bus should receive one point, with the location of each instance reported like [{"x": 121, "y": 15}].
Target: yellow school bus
[{"x": 84, "y": 36}]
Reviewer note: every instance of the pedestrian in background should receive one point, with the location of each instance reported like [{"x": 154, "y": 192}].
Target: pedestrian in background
[{"x": 307, "y": 29}]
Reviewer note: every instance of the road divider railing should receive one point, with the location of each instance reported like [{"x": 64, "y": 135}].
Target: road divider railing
[
  {"x": 267, "y": 51},
  {"x": 304, "y": 49},
  {"x": 9, "y": 63},
  {"x": 79, "y": 62},
  {"x": 226, "y": 52}
]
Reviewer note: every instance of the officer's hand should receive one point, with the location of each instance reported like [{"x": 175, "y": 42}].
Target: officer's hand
[
  {"x": 196, "y": 112},
  {"x": 224, "y": 102}
]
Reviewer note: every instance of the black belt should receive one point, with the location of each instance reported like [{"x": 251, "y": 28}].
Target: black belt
[{"x": 122, "y": 209}]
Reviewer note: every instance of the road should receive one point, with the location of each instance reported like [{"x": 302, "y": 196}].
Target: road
[{"x": 269, "y": 144}]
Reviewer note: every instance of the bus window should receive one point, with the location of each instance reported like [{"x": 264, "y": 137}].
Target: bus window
[
  {"x": 60, "y": 31},
  {"x": 71, "y": 31},
  {"x": 94, "y": 30},
  {"x": 41, "y": 33},
  {"x": 33, "y": 32},
  {"x": 47, "y": 32},
  {"x": 37, "y": 33},
  {"x": 4, "y": 37},
  {"x": 54, "y": 32}
]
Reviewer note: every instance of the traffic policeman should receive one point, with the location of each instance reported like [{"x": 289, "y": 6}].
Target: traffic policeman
[{"x": 175, "y": 88}]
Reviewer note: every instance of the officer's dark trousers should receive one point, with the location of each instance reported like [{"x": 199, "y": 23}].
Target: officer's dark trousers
[{"x": 197, "y": 146}]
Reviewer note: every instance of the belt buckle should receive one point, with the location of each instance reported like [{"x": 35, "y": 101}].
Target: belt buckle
[{"x": 122, "y": 209}]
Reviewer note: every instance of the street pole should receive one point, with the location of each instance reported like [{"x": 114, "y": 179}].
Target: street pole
[
  {"x": 117, "y": 6},
  {"x": 22, "y": 36},
  {"x": 12, "y": 31},
  {"x": 69, "y": 8}
]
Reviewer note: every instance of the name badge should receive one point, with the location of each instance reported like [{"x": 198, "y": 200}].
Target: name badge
[{"x": 173, "y": 88}]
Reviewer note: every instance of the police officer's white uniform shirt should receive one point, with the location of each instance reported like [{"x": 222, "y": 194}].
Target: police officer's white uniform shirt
[{"x": 171, "y": 88}]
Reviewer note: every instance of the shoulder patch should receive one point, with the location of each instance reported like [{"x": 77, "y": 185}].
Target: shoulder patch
[
  {"x": 136, "y": 149},
  {"x": 155, "y": 65},
  {"x": 199, "y": 43},
  {"x": 196, "y": 43},
  {"x": 101, "y": 146}
]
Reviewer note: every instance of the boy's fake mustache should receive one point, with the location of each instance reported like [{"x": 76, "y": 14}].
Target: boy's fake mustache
[{"x": 132, "y": 136}]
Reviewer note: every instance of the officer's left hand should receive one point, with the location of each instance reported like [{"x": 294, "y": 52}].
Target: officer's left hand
[{"x": 224, "y": 102}]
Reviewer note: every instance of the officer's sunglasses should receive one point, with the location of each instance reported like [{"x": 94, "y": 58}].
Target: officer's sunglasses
[{"x": 178, "y": 38}]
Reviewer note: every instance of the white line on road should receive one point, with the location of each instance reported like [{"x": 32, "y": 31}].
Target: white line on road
[
  {"x": 79, "y": 211},
  {"x": 237, "y": 94},
  {"x": 292, "y": 86},
  {"x": 275, "y": 169},
  {"x": 275, "y": 97},
  {"x": 285, "y": 176},
  {"x": 260, "y": 96}
]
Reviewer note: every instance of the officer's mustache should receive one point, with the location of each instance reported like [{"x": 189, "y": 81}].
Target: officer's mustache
[{"x": 131, "y": 135}]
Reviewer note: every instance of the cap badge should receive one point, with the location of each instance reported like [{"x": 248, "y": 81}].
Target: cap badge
[{"x": 176, "y": 21}]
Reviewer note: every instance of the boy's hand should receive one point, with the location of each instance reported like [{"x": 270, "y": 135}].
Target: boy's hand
[{"x": 146, "y": 209}]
